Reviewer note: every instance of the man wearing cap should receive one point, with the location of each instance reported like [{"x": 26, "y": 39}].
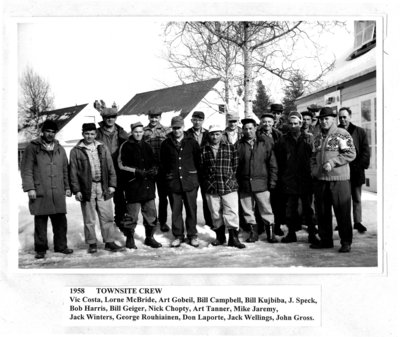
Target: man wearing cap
[
  {"x": 256, "y": 174},
  {"x": 333, "y": 150},
  {"x": 278, "y": 198},
  {"x": 138, "y": 167},
  {"x": 276, "y": 110},
  {"x": 44, "y": 172},
  {"x": 113, "y": 135},
  {"x": 201, "y": 135},
  {"x": 358, "y": 165},
  {"x": 93, "y": 183},
  {"x": 293, "y": 153},
  {"x": 180, "y": 164},
  {"x": 219, "y": 162},
  {"x": 155, "y": 134},
  {"x": 232, "y": 133}
]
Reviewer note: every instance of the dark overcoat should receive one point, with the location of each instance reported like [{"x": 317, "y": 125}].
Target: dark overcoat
[{"x": 46, "y": 172}]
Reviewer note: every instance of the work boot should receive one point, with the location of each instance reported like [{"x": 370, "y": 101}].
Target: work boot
[
  {"x": 290, "y": 237},
  {"x": 113, "y": 247},
  {"x": 40, "y": 255},
  {"x": 346, "y": 247},
  {"x": 65, "y": 251},
  {"x": 176, "y": 243},
  {"x": 312, "y": 238},
  {"x": 277, "y": 230},
  {"x": 221, "y": 238},
  {"x": 130, "y": 240},
  {"x": 253, "y": 233},
  {"x": 233, "y": 240},
  {"x": 360, "y": 227},
  {"x": 150, "y": 241},
  {"x": 164, "y": 227},
  {"x": 269, "y": 229},
  {"x": 194, "y": 242},
  {"x": 92, "y": 248}
]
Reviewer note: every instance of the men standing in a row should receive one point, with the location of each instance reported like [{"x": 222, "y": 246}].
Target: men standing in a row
[
  {"x": 333, "y": 150},
  {"x": 358, "y": 165},
  {"x": 293, "y": 152},
  {"x": 155, "y": 134},
  {"x": 113, "y": 135},
  {"x": 257, "y": 175},
  {"x": 180, "y": 162},
  {"x": 219, "y": 162},
  {"x": 44, "y": 172},
  {"x": 93, "y": 181},
  {"x": 138, "y": 167},
  {"x": 200, "y": 134}
]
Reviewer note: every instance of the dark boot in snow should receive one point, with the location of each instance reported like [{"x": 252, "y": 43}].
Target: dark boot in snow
[
  {"x": 233, "y": 240},
  {"x": 270, "y": 233},
  {"x": 221, "y": 238},
  {"x": 253, "y": 233},
  {"x": 130, "y": 240},
  {"x": 150, "y": 241},
  {"x": 277, "y": 230},
  {"x": 290, "y": 237}
]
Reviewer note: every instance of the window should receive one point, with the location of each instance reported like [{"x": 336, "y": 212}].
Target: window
[{"x": 364, "y": 32}]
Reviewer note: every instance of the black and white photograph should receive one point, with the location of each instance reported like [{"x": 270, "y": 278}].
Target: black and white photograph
[{"x": 198, "y": 148}]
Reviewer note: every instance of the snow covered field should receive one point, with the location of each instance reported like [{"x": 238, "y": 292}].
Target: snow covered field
[{"x": 257, "y": 255}]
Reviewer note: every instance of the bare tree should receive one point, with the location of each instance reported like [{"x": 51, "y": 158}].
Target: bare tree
[
  {"x": 260, "y": 47},
  {"x": 35, "y": 98}
]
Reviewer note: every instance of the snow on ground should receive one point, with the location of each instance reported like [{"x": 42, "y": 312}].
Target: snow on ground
[{"x": 255, "y": 255}]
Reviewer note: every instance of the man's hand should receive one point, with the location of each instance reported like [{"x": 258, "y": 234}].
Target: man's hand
[
  {"x": 327, "y": 167},
  {"x": 32, "y": 194},
  {"x": 111, "y": 190},
  {"x": 68, "y": 193},
  {"x": 78, "y": 196}
]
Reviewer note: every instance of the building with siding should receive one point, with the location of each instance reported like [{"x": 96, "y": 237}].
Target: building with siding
[{"x": 352, "y": 84}]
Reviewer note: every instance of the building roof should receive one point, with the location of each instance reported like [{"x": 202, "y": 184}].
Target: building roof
[
  {"x": 346, "y": 70},
  {"x": 181, "y": 98}
]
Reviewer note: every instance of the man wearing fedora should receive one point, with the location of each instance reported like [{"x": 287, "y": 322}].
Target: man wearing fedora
[
  {"x": 138, "y": 166},
  {"x": 112, "y": 136},
  {"x": 358, "y": 165},
  {"x": 93, "y": 182},
  {"x": 180, "y": 164},
  {"x": 44, "y": 172},
  {"x": 333, "y": 150},
  {"x": 154, "y": 134},
  {"x": 219, "y": 162}
]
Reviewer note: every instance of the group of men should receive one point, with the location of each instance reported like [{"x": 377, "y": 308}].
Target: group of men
[{"x": 251, "y": 177}]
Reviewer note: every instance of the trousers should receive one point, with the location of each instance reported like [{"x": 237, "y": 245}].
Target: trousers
[{"x": 59, "y": 224}]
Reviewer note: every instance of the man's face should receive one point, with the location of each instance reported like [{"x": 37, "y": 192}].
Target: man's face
[
  {"x": 249, "y": 131},
  {"x": 137, "y": 133},
  {"x": 197, "y": 123},
  {"x": 154, "y": 119},
  {"x": 216, "y": 137},
  {"x": 49, "y": 135},
  {"x": 109, "y": 121},
  {"x": 277, "y": 116},
  {"x": 327, "y": 122},
  {"x": 267, "y": 122},
  {"x": 177, "y": 131},
  {"x": 294, "y": 124},
  {"x": 232, "y": 125},
  {"x": 89, "y": 136},
  {"x": 307, "y": 121},
  {"x": 344, "y": 118}
]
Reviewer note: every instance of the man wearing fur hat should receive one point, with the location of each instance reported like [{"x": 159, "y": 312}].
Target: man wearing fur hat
[
  {"x": 138, "y": 167},
  {"x": 293, "y": 153},
  {"x": 93, "y": 183},
  {"x": 333, "y": 150},
  {"x": 113, "y": 135},
  {"x": 44, "y": 172}
]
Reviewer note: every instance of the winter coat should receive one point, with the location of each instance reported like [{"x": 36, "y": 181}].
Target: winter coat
[
  {"x": 137, "y": 155},
  {"x": 46, "y": 172},
  {"x": 112, "y": 143},
  {"x": 191, "y": 134},
  {"x": 219, "y": 173},
  {"x": 180, "y": 166},
  {"x": 293, "y": 157},
  {"x": 80, "y": 172},
  {"x": 275, "y": 133},
  {"x": 225, "y": 136},
  {"x": 361, "y": 163},
  {"x": 335, "y": 147}
]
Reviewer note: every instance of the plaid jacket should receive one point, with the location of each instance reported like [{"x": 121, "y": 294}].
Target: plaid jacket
[
  {"x": 219, "y": 174},
  {"x": 155, "y": 136}
]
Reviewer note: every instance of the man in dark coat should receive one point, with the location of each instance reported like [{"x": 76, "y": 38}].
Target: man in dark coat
[
  {"x": 155, "y": 134},
  {"x": 293, "y": 152},
  {"x": 201, "y": 135},
  {"x": 137, "y": 162},
  {"x": 93, "y": 181},
  {"x": 180, "y": 162},
  {"x": 256, "y": 175},
  {"x": 44, "y": 172},
  {"x": 113, "y": 135},
  {"x": 358, "y": 165}
]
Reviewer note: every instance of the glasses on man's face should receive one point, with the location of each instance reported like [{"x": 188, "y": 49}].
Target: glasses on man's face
[{"x": 342, "y": 117}]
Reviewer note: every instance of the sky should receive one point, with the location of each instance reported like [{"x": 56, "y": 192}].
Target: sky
[{"x": 111, "y": 59}]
